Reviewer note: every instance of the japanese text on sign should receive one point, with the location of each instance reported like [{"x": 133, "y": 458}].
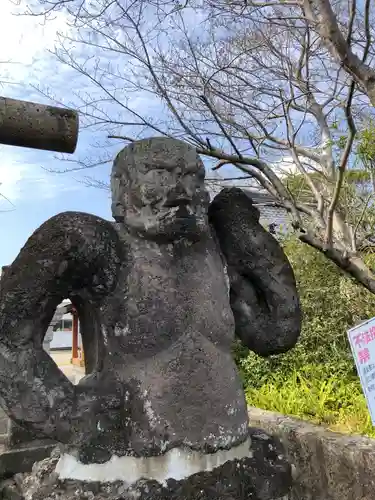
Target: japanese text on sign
[{"x": 362, "y": 342}]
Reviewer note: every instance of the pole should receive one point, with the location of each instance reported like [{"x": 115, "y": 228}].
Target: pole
[{"x": 37, "y": 126}]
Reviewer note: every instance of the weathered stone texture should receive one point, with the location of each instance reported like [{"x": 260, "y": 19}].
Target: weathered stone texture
[
  {"x": 327, "y": 465},
  {"x": 160, "y": 295},
  {"x": 263, "y": 294},
  {"x": 69, "y": 255},
  {"x": 265, "y": 475},
  {"x": 38, "y": 126}
]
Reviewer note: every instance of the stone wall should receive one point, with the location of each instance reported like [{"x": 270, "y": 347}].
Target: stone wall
[{"x": 328, "y": 465}]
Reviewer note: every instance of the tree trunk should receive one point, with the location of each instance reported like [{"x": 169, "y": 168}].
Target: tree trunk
[
  {"x": 320, "y": 13},
  {"x": 351, "y": 263}
]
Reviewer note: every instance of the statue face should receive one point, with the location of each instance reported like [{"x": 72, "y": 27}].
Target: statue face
[{"x": 158, "y": 189}]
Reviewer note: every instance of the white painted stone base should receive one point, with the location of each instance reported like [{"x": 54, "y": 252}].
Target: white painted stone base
[{"x": 178, "y": 463}]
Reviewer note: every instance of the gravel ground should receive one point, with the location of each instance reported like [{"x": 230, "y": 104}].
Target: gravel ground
[{"x": 62, "y": 359}]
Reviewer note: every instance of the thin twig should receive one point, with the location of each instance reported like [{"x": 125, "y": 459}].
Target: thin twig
[
  {"x": 218, "y": 121},
  {"x": 121, "y": 137}
]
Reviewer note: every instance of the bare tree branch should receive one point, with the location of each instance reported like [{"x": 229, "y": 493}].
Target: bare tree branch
[
  {"x": 248, "y": 84},
  {"x": 321, "y": 14}
]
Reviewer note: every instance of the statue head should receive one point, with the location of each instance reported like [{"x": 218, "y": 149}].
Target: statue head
[{"x": 158, "y": 189}]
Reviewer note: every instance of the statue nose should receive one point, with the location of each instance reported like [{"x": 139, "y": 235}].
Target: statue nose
[{"x": 177, "y": 196}]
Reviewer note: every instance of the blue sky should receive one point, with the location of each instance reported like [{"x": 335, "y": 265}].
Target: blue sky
[
  {"x": 35, "y": 193},
  {"x": 31, "y": 193}
]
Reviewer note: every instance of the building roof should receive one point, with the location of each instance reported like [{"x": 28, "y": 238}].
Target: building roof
[
  {"x": 270, "y": 215},
  {"x": 260, "y": 197}
]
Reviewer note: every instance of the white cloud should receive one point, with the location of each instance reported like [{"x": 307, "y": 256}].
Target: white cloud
[
  {"x": 24, "y": 39},
  {"x": 287, "y": 166},
  {"x": 20, "y": 179},
  {"x": 10, "y": 176}
]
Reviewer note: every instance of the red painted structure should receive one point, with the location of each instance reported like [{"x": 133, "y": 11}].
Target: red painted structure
[{"x": 78, "y": 358}]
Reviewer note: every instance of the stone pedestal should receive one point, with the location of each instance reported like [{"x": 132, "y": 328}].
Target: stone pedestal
[{"x": 264, "y": 475}]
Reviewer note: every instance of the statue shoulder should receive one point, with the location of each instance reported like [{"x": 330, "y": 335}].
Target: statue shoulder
[
  {"x": 264, "y": 297},
  {"x": 69, "y": 249},
  {"x": 232, "y": 214}
]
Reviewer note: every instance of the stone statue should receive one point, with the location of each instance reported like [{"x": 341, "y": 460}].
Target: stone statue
[{"x": 160, "y": 294}]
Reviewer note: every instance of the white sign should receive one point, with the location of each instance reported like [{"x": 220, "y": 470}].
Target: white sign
[{"x": 362, "y": 342}]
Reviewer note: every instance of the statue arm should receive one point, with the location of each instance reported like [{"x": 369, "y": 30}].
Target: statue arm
[
  {"x": 72, "y": 255},
  {"x": 263, "y": 293}
]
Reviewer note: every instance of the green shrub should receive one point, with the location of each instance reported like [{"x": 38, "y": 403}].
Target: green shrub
[
  {"x": 331, "y": 303},
  {"x": 334, "y": 401}
]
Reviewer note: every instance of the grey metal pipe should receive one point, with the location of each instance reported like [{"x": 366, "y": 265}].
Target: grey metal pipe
[{"x": 38, "y": 126}]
